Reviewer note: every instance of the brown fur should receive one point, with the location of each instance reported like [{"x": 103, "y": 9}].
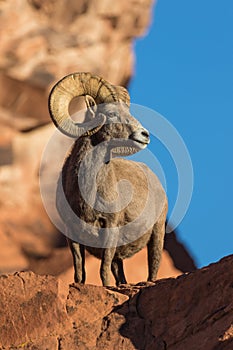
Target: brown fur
[{"x": 108, "y": 177}]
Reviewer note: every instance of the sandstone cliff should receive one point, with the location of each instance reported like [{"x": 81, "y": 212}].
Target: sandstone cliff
[
  {"x": 43, "y": 40},
  {"x": 193, "y": 311}
]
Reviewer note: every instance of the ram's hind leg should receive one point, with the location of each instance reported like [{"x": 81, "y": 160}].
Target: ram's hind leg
[
  {"x": 118, "y": 271},
  {"x": 78, "y": 253},
  {"x": 155, "y": 247},
  {"x": 106, "y": 263}
]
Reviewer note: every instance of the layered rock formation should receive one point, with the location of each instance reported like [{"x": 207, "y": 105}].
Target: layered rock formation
[
  {"x": 41, "y": 41},
  {"x": 193, "y": 311}
]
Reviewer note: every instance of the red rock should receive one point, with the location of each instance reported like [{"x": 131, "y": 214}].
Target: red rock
[
  {"x": 12, "y": 258},
  {"x": 179, "y": 254},
  {"x": 41, "y": 42},
  {"x": 193, "y": 311},
  {"x": 31, "y": 308},
  {"x": 87, "y": 306},
  {"x": 57, "y": 263},
  {"x": 22, "y": 213},
  {"x": 18, "y": 100}
]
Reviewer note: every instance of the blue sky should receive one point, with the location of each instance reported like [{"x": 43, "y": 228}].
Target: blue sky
[{"x": 184, "y": 71}]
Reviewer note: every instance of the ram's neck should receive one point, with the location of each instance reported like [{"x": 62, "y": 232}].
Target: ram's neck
[
  {"x": 88, "y": 163},
  {"x": 84, "y": 152}
]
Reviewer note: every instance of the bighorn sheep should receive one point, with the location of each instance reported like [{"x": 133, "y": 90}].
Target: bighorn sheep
[{"x": 128, "y": 225}]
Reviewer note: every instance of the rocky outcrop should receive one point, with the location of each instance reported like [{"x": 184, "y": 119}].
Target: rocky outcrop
[
  {"x": 22, "y": 216},
  {"x": 41, "y": 41},
  {"x": 179, "y": 254},
  {"x": 193, "y": 311}
]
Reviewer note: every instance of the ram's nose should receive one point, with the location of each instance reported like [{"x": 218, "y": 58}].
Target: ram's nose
[
  {"x": 145, "y": 135},
  {"x": 141, "y": 136}
]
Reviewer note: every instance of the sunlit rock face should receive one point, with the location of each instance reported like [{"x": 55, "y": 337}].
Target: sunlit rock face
[
  {"x": 193, "y": 311},
  {"x": 41, "y": 41}
]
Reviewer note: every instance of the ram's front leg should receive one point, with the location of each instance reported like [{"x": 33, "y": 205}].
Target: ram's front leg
[
  {"x": 154, "y": 250},
  {"x": 118, "y": 271},
  {"x": 78, "y": 253},
  {"x": 106, "y": 262}
]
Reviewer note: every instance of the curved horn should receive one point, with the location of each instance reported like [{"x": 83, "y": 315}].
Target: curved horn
[
  {"x": 123, "y": 94},
  {"x": 74, "y": 85}
]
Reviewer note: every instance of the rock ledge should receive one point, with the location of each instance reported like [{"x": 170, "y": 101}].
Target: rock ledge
[{"x": 193, "y": 311}]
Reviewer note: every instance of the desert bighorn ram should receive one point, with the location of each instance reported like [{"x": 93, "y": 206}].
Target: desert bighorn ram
[{"x": 120, "y": 204}]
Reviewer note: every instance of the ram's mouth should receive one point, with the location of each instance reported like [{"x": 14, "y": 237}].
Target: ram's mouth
[
  {"x": 144, "y": 142},
  {"x": 141, "y": 144},
  {"x": 130, "y": 146},
  {"x": 140, "y": 138}
]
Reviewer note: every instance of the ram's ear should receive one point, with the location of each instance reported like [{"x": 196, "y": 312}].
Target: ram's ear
[{"x": 91, "y": 106}]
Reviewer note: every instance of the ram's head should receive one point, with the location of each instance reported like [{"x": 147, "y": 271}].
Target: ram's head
[{"x": 107, "y": 112}]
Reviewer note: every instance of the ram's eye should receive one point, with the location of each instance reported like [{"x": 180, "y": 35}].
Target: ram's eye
[{"x": 113, "y": 115}]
